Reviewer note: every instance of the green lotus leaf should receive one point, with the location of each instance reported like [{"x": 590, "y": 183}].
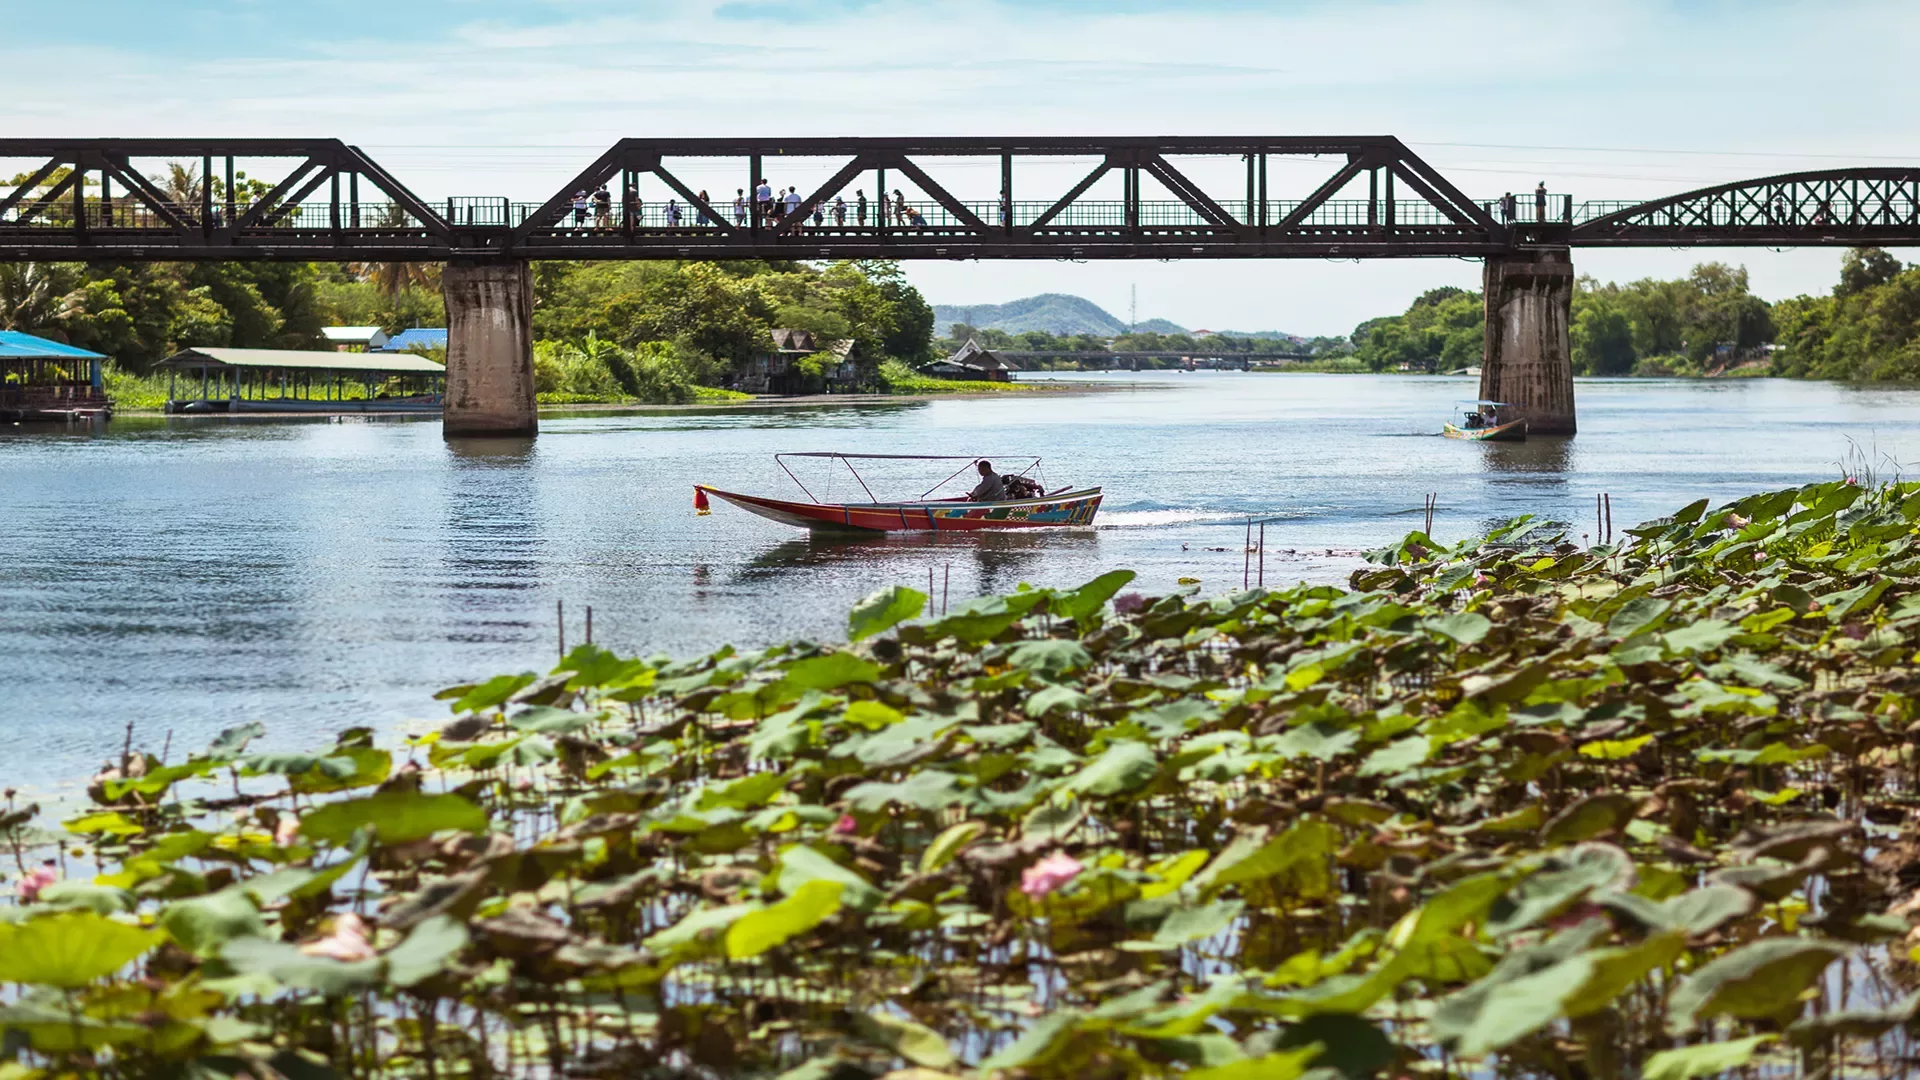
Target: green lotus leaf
[
  {"x": 395, "y": 817},
  {"x": 69, "y": 950}
]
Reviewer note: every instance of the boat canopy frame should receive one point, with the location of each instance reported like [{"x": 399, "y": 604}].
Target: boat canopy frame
[{"x": 849, "y": 459}]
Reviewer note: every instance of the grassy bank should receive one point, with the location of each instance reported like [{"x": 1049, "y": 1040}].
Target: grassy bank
[
  {"x": 1503, "y": 807},
  {"x": 898, "y": 378}
]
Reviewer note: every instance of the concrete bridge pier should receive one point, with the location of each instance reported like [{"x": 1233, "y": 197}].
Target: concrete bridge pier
[
  {"x": 1529, "y": 357},
  {"x": 489, "y": 349}
]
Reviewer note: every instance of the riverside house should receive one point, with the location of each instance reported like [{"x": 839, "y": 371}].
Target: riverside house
[
  {"x": 783, "y": 367},
  {"x": 47, "y": 380}
]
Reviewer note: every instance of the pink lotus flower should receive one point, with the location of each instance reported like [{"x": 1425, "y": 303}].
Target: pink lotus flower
[
  {"x": 347, "y": 941},
  {"x": 36, "y": 879},
  {"x": 1049, "y": 874},
  {"x": 287, "y": 830},
  {"x": 846, "y": 826}
]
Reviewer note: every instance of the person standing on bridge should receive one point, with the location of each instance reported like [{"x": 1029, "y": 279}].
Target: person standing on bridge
[
  {"x": 899, "y": 207},
  {"x": 1507, "y": 205},
  {"x": 763, "y": 200},
  {"x": 673, "y": 213},
  {"x": 633, "y": 208},
  {"x": 704, "y": 203},
  {"x": 860, "y": 207},
  {"x": 1540, "y": 202},
  {"x": 740, "y": 207},
  {"x": 580, "y": 207},
  {"x": 1006, "y": 208},
  {"x": 840, "y": 211},
  {"x": 792, "y": 202},
  {"x": 602, "y": 208}
]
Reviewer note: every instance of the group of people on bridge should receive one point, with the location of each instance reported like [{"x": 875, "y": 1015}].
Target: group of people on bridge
[{"x": 766, "y": 208}]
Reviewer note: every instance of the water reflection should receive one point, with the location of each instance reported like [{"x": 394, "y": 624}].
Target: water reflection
[{"x": 1547, "y": 459}]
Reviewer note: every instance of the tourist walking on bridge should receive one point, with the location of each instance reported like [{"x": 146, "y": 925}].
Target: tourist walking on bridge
[
  {"x": 704, "y": 203},
  {"x": 792, "y": 201}
]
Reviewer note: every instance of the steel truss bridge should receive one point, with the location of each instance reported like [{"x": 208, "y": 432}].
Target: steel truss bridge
[{"x": 322, "y": 200}]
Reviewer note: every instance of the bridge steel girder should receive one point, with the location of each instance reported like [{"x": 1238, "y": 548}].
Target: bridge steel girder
[
  {"x": 1824, "y": 208},
  {"x": 315, "y": 211},
  {"x": 138, "y": 223},
  {"x": 305, "y": 217}
]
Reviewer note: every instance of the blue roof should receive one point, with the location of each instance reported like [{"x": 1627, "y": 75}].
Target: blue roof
[
  {"x": 15, "y": 345},
  {"x": 417, "y": 338}
]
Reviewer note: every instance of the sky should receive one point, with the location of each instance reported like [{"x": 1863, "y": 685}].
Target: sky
[{"x": 1630, "y": 99}]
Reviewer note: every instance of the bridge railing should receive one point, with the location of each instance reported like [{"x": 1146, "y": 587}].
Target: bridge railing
[
  {"x": 1530, "y": 209},
  {"x": 1082, "y": 214},
  {"x": 320, "y": 214}
]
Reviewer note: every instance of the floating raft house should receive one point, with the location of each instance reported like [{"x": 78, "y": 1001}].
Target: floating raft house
[
  {"x": 209, "y": 380},
  {"x": 46, "y": 380}
]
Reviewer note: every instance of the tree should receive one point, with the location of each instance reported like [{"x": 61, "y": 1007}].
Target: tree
[
  {"x": 39, "y": 296},
  {"x": 1864, "y": 268},
  {"x": 1602, "y": 337}
]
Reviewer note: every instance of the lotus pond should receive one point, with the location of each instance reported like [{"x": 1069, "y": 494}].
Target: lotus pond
[{"x": 1512, "y": 807}]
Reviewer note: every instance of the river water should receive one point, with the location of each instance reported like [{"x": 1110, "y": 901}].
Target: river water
[{"x": 192, "y": 574}]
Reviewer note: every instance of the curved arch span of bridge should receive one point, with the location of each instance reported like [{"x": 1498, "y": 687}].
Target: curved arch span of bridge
[{"x": 1178, "y": 197}]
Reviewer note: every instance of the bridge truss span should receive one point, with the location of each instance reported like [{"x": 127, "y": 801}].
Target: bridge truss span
[
  {"x": 1059, "y": 198},
  {"x": 1833, "y": 207}
]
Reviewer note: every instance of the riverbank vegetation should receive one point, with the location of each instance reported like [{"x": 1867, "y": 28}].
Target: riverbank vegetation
[
  {"x": 648, "y": 331},
  {"x": 1707, "y": 323},
  {"x": 1511, "y": 806}
]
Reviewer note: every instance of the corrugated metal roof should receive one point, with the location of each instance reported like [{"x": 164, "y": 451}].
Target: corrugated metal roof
[
  {"x": 16, "y": 345},
  {"x": 295, "y": 358},
  {"x": 352, "y": 333},
  {"x": 420, "y": 337}
]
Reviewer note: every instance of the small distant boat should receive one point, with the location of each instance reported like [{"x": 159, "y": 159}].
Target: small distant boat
[
  {"x": 1483, "y": 421},
  {"x": 1032, "y": 507}
]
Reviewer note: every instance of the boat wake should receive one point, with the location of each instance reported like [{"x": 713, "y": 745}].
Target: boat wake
[{"x": 1169, "y": 517}]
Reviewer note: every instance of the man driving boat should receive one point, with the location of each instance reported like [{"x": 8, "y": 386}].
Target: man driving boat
[{"x": 991, "y": 487}]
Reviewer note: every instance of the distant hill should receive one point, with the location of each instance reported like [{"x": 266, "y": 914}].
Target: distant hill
[
  {"x": 1267, "y": 335},
  {"x": 1055, "y": 313}
]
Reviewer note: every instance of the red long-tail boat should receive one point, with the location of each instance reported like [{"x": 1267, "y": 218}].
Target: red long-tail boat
[{"x": 1028, "y": 506}]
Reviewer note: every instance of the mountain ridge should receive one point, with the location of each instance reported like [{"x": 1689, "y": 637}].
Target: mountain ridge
[
  {"x": 1064, "y": 314},
  {"x": 1055, "y": 313}
]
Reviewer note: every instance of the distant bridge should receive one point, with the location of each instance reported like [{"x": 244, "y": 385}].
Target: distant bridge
[
  {"x": 1125, "y": 356},
  {"x": 322, "y": 200}
]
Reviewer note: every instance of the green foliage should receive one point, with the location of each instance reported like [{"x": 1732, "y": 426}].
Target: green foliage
[
  {"x": 1441, "y": 331},
  {"x": 1504, "y": 804},
  {"x": 723, "y": 312},
  {"x": 1868, "y": 330},
  {"x": 896, "y": 377}
]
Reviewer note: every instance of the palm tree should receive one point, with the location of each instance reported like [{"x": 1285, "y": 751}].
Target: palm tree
[
  {"x": 37, "y": 296},
  {"x": 182, "y": 184},
  {"x": 394, "y": 278}
]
